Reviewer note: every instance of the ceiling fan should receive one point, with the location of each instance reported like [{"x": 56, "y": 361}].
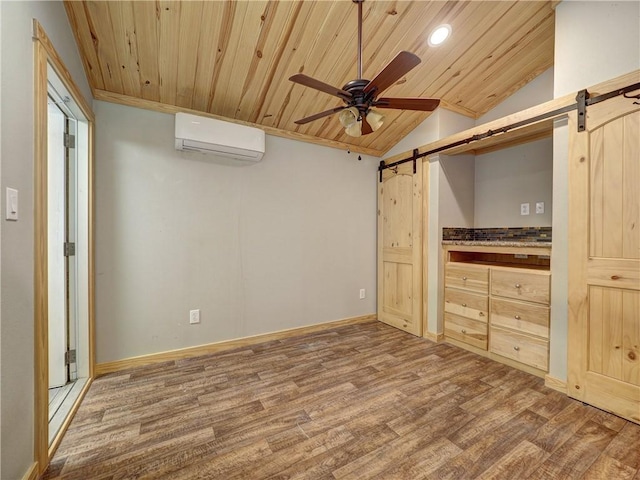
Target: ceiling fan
[{"x": 360, "y": 95}]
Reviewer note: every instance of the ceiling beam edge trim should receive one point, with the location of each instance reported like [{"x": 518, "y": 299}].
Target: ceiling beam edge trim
[{"x": 459, "y": 109}]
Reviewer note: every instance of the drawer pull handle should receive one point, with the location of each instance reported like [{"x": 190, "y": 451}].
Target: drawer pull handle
[
  {"x": 481, "y": 314},
  {"x": 463, "y": 331},
  {"x": 464, "y": 278},
  {"x": 517, "y": 317},
  {"x": 516, "y": 348},
  {"x": 517, "y": 285},
  {"x": 464, "y": 304}
]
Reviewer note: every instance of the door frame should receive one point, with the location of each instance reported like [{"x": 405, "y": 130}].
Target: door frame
[{"x": 45, "y": 55}]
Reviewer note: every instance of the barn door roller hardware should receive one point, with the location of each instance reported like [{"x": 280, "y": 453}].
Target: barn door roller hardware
[
  {"x": 394, "y": 166},
  {"x": 583, "y": 100},
  {"x": 637, "y": 97}
]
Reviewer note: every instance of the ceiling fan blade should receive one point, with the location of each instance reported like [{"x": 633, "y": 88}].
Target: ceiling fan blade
[
  {"x": 366, "y": 128},
  {"x": 422, "y": 104},
  {"x": 395, "y": 69},
  {"x": 326, "y": 113},
  {"x": 321, "y": 86}
]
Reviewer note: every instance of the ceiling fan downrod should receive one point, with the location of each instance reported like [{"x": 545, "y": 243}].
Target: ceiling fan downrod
[{"x": 359, "y": 2}]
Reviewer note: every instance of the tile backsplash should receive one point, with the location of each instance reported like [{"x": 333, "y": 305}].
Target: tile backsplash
[{"x": 501, "y": 234}]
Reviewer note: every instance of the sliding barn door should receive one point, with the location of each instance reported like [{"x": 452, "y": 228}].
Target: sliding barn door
[
  {"x": 604, "y": 258},
  {"x": 400, "y": 248}
]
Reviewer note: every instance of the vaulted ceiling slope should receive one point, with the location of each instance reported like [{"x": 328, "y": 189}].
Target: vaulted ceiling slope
[{"x": 233, "y": 58}]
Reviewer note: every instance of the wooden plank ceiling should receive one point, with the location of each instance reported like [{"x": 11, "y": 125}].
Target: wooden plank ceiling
[{"x": 233, "y": 58}]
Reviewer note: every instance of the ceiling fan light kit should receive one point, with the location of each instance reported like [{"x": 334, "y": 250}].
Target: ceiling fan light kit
[
  {"x": 354, "y": 130},
  {"x": 348, "y": 117},
  {"x": 375, "y": 119},
  {"x": 351, "y": 120},
  {"x": 360, "y": 95}
]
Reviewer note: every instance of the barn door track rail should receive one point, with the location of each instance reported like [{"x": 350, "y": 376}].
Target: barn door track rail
[{"x": 583, "y": 100}]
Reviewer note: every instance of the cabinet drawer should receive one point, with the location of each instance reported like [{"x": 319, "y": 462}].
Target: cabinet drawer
[
  {"x": 465, "y": 330},
  {"x": 522, "y": 348},
  {"x": 525, "y": 317},
  {"x": 466, "y": 276},
  {"x": 465, "y": 304},
  {"x": 521, "y": 285}
]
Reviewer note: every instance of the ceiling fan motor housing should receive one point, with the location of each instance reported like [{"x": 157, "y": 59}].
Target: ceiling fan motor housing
[{"x": 359, "y": 99}]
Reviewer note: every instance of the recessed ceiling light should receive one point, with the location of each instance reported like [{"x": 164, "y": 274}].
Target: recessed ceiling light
[{"x": 439, "y": 35}]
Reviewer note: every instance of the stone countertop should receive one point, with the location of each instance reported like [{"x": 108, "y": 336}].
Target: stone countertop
[{"x": 496, "y": 243}]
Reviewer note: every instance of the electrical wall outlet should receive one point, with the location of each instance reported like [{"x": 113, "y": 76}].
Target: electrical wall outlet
[
  {"x": 524, "y": 209},
  {"x": 363, "y": 293},
  {"x": 194, "y": 316},
  {"x": 539, "y": 207}
]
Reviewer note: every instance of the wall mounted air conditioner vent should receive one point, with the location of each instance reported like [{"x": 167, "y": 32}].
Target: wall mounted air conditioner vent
[{"x": 216, "y": 137}]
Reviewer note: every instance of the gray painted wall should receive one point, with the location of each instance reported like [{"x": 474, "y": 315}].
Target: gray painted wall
[
  {"x": 16, "y": 256},
  {"x": 506, "y": 178},
  {"x": 521, "y": 174},
  {"x": 283, "y": 243},
  {"x": 537, "y": 91}
]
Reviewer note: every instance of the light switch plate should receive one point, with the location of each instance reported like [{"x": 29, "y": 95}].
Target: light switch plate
[
  {"x": 524, "y": 209},
  {"x": 12, "y": 204},
  {"x": 539, "y": 207}
]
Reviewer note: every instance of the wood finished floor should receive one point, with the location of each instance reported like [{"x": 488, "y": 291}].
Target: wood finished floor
[{"x": 359, "y": 402}]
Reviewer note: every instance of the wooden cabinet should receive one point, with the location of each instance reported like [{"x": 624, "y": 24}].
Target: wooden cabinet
[
  {"x": 497, "y": 304},
  {"x": 474, "y": 278},
  {"x": 523, "y": 317},
  {"x": 520, "y": 284},
  {"x": 526, "y": 349},
  {"x": 520, "y": 315},
  {"x": 465, "y": 330},
  {"x": 466, "y": 303}
]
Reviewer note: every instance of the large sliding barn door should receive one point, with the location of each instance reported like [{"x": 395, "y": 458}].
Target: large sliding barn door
[
  {"x": 400, "y": 248},
  {"x": 604, "y": 258}
]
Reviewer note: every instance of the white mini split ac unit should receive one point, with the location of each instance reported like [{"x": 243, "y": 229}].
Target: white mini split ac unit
[{"x": 225, "y": 139}]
